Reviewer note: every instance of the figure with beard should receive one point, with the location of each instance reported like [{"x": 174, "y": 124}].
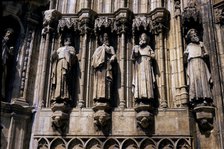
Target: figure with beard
[
  {"x": 198, "y": 75},
  {"x": 7, "y": 51},
  {"x": 143, "y": 76},
  {"x": 102, "y": 60}
]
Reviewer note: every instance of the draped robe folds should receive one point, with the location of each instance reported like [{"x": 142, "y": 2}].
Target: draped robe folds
[
  {"x": 102, "y": 72},
  {"x": 63, "y": 60},
  {"x": 143, "y": 76},
  {"x": 198, "y": 75}
]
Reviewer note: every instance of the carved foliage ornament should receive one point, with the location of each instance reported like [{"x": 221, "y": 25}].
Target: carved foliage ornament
[
  {"x": 192, "y": 12},
  {"x": 103, "y": 22},
  {"x": 219, "y": 16},
  {"x": 68, "y": 23},
  {"x": 141, "y": 21}
]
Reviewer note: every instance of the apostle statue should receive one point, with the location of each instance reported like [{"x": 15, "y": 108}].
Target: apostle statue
[
  {"x": 62, "y": 60},
  {"x": 7, "y": 51},
  {"x": 102, "y": 60},
  {"x": 198, "y": 75},
  {"x": 143, "y": 76}
]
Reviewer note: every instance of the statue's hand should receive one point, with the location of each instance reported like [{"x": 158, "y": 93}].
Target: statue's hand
[
  {"x": 113, "y": 58},
  {"x": 11, "y": 49}
]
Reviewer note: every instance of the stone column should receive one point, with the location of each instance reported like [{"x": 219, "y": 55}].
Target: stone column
[
  {"x": 160, "y": 17},
  {"x": 123, "y": 17},
  {"x": 50, "y": 23},
  {"x": 182, "y": 95},
  {"x": 86, "y": 17}
]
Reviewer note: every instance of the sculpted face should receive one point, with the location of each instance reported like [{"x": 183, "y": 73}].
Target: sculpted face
[
  {"x": 67, "y": 41},
  {"x": 8, "y": 33},
  {"x": 106, "y": 39},
  {"x": 194, "y": 37},
  {"x": 143, "y": 40}
]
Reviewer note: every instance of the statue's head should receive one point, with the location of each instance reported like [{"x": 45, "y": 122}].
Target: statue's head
[
  {"x": 106, "y": 39},
  {"x": 67, "y": 41},
  {"x": 8, "y": 33},
  {"x": 143, "y": 40},
  {"x": 192, "y": 36}
]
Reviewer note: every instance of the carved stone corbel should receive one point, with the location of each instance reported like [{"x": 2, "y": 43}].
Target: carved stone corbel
[
  {"x": 60, "y": 117},
  {"x": 101, "y": 116},
  {"x": 144, "y": 116},
  {"x": 204, "y": 116}
]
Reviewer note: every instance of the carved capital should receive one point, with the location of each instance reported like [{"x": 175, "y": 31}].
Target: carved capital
[
  {"x": 123, "y": 20},
  {"x": 219, "y": 16},
  {"x": 177, "y": 8},
  {"x": 69, "y": 23},
  {"x": 103, "y": 23},
  {"x": 160, "y": 20},
  {"x": 204, "y": 116},
  {"x": 51, "y": 18},
  {"x": 86, "y": 17}
]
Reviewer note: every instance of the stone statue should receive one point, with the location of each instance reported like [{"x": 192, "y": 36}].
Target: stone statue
[
  {"x": 62, "y": 59},
  {"x": 102, "y": 60},
  {"x": 143, "y": 76},
  {"x": 7, "y": 50},
  {"x": 198, "y": 75}
]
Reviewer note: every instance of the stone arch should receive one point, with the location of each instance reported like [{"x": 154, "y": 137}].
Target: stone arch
[
  {"x": 93, "y": 143},
  {"x": 75, "y": 144},
  {"x": 111, "y": 144},
  {"x": 166, "y": 144},
  {"x": 147, "y": 144},
  {"x": 58, "y": 143},
  {"x": 129, "y": 144},
  {"x": 183, "y": 144},
  {"x": 43, "y": 143}
]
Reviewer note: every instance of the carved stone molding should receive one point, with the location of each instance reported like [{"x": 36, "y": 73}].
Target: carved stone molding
[
  {"x": 117, "y": 142},
  {"x": 160, "y": 20},
  {"x": 204, "y": 116}
]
